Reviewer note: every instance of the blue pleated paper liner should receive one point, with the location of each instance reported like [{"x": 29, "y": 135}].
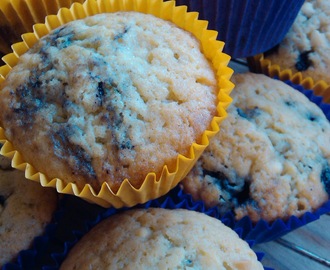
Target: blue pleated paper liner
[
  {"x": 77, "y": 217},
  {"x": 248, "y": 27}
]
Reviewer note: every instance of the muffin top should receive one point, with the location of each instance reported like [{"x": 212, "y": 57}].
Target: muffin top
[
  {"x": 306, "y": 47},
  {"x": 271, "y": 158},
  {"x": 25, "y": 210},
  {"x": 161, "y": 239},
  {"x": 109, "y": 97}
]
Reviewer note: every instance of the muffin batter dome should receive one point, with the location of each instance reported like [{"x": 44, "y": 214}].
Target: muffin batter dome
[
  {"x": 109, "y": 97},
  {"x": 271, "y": 157}
]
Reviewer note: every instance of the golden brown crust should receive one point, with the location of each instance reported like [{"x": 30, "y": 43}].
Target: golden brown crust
[{"x": 115, "y": 105}]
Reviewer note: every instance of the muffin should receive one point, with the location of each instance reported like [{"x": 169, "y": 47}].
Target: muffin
[
  {"x": 247, "y": 27},
  {"x": 25, "y": 210},
  {"x": 306, "y": 47},
  {"x": 161, "y": 239},
  {"x": 132, "y": 101},
  {"x": 271, "y": 158}
]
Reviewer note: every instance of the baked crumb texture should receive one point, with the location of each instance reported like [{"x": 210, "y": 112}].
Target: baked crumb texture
[
  {"x": 110, "y": 97},
  {"x": 161, "y": 239},
  {"x": 271, "y": 158},
  {"x": 306, "y": 47},
  {"x": 25, "y": 210}
]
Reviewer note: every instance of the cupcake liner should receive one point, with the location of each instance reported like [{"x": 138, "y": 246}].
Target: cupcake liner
[
  {"x": 72, "y": 223},
  {"x": 26, "y": 259},
  {"x": 153, "y": 186},
  {"x": 259, "y": 64},
  {"x": 18, "y": 17},
  {"x": 247, "y": 27}
]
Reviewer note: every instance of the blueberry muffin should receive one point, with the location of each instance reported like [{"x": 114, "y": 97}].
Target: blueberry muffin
[
  {"x": 271, "y": 158},
  {"x": 111, "y": 97},
  {"x": 25, "y": 210},
  {"x": 306, "y": 47},
  {"x": 161, "y": 239}
]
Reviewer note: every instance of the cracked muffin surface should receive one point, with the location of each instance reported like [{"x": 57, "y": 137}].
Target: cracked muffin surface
[
  {"x": 306, "y": 48},
  {"x": 161, "y": 239},
  {"x": 109, "y": 97},
  {"x": 25, "y": 210},
  {"x": 271, "y": 157}
]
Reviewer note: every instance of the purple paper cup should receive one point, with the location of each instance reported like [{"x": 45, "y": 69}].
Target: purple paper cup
[
  {"x": 77, "y": 218},
  {"x": 248, "y": 27}
]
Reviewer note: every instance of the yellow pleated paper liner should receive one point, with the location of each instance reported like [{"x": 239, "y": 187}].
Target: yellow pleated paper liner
[
  {"x": 18, "y": 17},
  {"x": 152, "y": 187},
  {"x": 259, "y": 64},
  {"x": 75, "y": 218}
]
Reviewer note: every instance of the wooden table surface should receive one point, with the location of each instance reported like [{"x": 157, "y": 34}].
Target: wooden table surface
[{"x": 306, "y": 248}]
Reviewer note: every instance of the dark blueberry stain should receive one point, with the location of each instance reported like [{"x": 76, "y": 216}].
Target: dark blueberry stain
[
  {"x": 114, "y": 115},
  {"x": 126, "y": 145},
  {"x": 31, "y": 100},
  {"x": 30, "y": 95},
  {"x": 271, "y": 51},
  {"x": 303, "y": 61},
  {"x": 2, "y": 200},
  {"x": 238, "y": 193},
  {"x": 241, "y": 113},
  {"x": 121, "y": 34},
  {"x": 312, "y": 118},
  {"x": 325, "y": 178},
  {"x": 44, "y": 55},
  {"x": 100, "y": 93},
  {"x": 289, "y": 103},
  {"x": 244, "y": 195},
  {"x": 81, "y": 162},
  {"x": 248, "y": 113},
  {"x": 188, "y": 262},
  {"x": 60, "y": 38}
]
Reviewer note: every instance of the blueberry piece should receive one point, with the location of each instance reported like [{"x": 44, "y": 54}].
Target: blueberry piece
[
  {"x": 248, "y": 113},
  {"x": 243, "y": 196},
  {"x": 241, "y": 113},
  {"x": 188, "y": 262},
  {"x": 312, "y": 117},
  {"x": 237, "y": 192},
  {"x": 303, "y": 62},
  {"x": 126, "y": 144},
  {"x": 289, "y": 103},
  {"x": 325, "y": 178},
  {"x": 100, "y": 93},
  {"x": 60, "y": 38}
]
